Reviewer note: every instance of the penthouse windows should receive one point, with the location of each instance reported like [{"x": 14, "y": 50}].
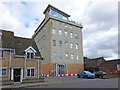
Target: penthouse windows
[{"x": 56, "y": 14}]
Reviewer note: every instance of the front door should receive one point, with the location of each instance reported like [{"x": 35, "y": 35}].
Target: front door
[{"x": 17, "y": 75}]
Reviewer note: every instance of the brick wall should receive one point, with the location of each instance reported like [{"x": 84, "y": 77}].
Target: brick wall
[
  {"x": 74, "y": 68},
  {"x": 108, "y": 69},
  {"x": 46, "y": 69}
]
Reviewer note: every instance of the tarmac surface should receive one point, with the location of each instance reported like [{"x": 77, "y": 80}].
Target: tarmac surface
[{"x": 68, "y": 82}]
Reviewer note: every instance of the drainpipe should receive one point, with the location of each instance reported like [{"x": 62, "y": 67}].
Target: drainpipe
[
  {"x": 9, "y": 65},
  {"x": 25, "y": 65},
  {"x": 38, "y": 67}
]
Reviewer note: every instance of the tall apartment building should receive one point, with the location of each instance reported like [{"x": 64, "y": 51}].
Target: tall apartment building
[{"x": 60, "y": 42}]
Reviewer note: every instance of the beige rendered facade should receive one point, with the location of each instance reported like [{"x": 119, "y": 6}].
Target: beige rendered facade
[{"x": 60, "y": 42}]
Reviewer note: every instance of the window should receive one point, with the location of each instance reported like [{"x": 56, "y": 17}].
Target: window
[
  {"x": 30, "y": 72},
  {"x": 66, "y": 44},
  {"x": 60, "y": 32},
  {"x": 56, "y": 14},
  {"x": 65, "y": 25},
  {"x": 54, "y": 31},
  {"x": 77, "y": 57},
  {"x": 54, "y": 42},
  {"x": 76, "y": 36},
  {"x": 30, "y": 55},
  {"x": 61, "y": 56},
  {"x": 60, "y": 23},
  {"x": 60, "y": 43},
  {"x": 71, "y": 34},
  {"x": 76, "y": 28},
  {"x": 1, "y": 53},
  {"x": 72, "y": 56},
  {"x": 70, "y": 27},
  {"x": 53, "y": 13},
  {"x": 43, "y": 38},
  {"x": 53, "y": 22},
  {"x": 54, "y": 55},
  {"x": 71, "y": 45},
  {"x": 3, "y": 72},
  {"x": 66, "y": 33},
  {"x": 76, "y": 46},
  {"x": 66, "y": 56}
]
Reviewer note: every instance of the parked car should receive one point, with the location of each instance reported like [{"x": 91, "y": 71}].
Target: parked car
[
  {"x": 100, "y": 74},
  {"x": 115, "y": 73},
  {"x": 85, "y": 74}
]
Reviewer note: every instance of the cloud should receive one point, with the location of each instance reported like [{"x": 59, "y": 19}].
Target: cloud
[{"x": 99, "y": 19}]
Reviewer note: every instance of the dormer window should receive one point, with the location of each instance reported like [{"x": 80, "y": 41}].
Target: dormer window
[{"x": 30, "y": 53}]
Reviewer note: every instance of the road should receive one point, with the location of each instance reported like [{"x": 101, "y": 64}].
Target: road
[{"x": 74, "y": 82}]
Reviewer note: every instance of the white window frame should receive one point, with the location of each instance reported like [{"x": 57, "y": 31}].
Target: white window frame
[
  {"x": 77, "y": 57},
  {"x": 30, "y": 53},
  {"x": 30, "y": 71},
  {"x": 65, "y": 25},
  {"x": 66, "y": 45},
  {"x": 1, "y": 68},
  {"x": 70, "y": 27},
  {"x": 72, "y": 56},
  {"x": 66, "y": 33},
  {"x": 66, "y": 56},
  {"x": 71, "y": 45},
  {"x": 60, "y": 44},
  {"x": 60, "y": 32},
  {"x": 53, "y": 22},
  {"x": 60, "y": 56},
  {"x": 71, "y": 35},
  {"x": 54, "y": 43},
  {"x": 53, "y": 31},
  {"x": 76, "y": 36},
  {"x": 54, "y": 55},
  {"x": 77, "y": 46}
]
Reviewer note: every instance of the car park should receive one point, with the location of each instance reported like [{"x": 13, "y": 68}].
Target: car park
[
  {"x": 85, "y": 74},
  {"x": 100, "y": 74}
]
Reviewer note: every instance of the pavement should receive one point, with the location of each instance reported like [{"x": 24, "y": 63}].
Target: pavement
[
  {"x": 48, "y": 81},
  {"x": 68, "y": 82}
]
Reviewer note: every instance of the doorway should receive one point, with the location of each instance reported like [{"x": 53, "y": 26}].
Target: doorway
[
  {"x": 60, "y": 69},
  {"x": 17, "y": 75}
]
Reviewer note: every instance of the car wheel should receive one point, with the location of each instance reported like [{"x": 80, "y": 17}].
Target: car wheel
[
  {"x": 78, "y": 76},
  {"x": 86, "y": 77}
]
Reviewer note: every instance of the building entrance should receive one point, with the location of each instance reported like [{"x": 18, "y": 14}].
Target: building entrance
[
  {"x": 17, "y": 75},
  {"x": 61, "y": 69}
]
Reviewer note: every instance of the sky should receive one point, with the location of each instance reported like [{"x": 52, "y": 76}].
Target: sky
[{"x": 98, "y": 17}]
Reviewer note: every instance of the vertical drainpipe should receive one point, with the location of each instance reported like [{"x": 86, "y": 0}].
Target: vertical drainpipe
[
  {"x": 9, "y": 65},
  {"x": 25, "y": 65},
  {"x": 38, "y": 67}
]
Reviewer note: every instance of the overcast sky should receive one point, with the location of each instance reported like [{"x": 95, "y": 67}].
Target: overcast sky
[{"x": 99, "y": 19}]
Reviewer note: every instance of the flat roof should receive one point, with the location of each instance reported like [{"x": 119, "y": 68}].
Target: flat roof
[{"x": 50, "y": 6}]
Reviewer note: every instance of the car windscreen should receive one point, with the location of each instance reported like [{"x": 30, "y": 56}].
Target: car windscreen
[{"x": 87, "y": 72}]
